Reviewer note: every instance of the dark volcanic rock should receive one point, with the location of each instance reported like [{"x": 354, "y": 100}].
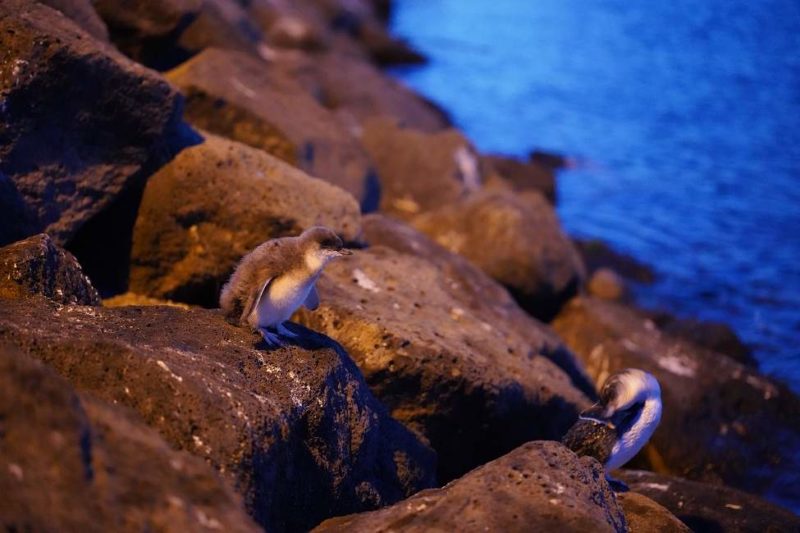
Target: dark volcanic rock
[
  {"x": 78, "y": 121},
  {"x": 83, "y": 14},
  {"x": 214, "y": 203},
  {"x": 517, "y": 240},
  {"x": 240, "y": 97},
  {"x": 446, "y": 364},
  {"x": 540, "y": 486},
  {"x": 17, "y": 220},
  {"x": 73, "y": 463},
  {"x": 420, "y": 171},
  {"x": 524, "y": 175},
  {"x": 722, "y": 421},
  {"x": 643, "y": 515},
  {"x": 478, "y": 292},
  {"x": 295, "y": 430},
  {"x": 38, "y": 266},
  {"x": 707, "y": 508}
]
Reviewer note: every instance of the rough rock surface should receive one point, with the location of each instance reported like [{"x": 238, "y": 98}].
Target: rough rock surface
[
  {"x": 517, "y": 240},
  {"x": 717, "y": 412},
  {"x": 643, "y": 515},
  {"x": 540, "y": 486},
  {"x": 711, "y": 508},
  {"x": 478, "y": 292},
  {"x": 524, "y": 175},
  {"x": 294, "y": 430},
  {"x": 82, "y": 13},
  {"x": 446, "y": 365},
  {"x": 102, "y": 468},
  {"x": 420, "y": 171},
  {"x": 330, "y": 76},
  {"x": 38, "y": 266},
  {"x": 240, "y": 97},
  {"x": 78, "y": 121},
  {"x": 214, "y": 203}
]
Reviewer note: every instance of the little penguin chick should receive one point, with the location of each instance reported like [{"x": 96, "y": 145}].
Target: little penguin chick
[
  {"x": 276, "y": 278},
  {"x": 614, "y": 429}
]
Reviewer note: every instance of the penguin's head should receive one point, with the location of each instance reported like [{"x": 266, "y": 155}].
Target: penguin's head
[
  {"x": 623, "y": 396},
  {"x": 320, "y": 245}
]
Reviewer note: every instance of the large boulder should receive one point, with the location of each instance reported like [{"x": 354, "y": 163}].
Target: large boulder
[
  {"x": 295, "y": 430},
  {"x": 144, "y": 28},
  {"x": 516, "y": 238},
  {"x": 238, "y": 96},
  {"x": 83, "y": 14},
  {"x": 79, "y": 123},
  {"x": 646, "y": 516},
  {"x": 540, "y": 486},
  {"x": 38, "y": 266},
  {"x": 711, "y": 508},
  {"x": 722, "y": 422},
  {"x": 420, "y": 171},
  {"x": 330, "y": 76},
  {"x": 73, "y": 463},
  {"x": 214, "y": 203},
  {"x": 446, "y": 362}
]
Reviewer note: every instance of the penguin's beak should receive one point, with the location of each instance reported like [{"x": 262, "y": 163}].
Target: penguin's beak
[
  {"x": 345, "y": 251},
  {"x": 601, "y": 413}
]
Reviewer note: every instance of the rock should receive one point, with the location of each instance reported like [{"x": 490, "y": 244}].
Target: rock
[
  {"x": 82, "y": 13},
  {"x": 163, "y": 34},
  {"x": 643, "y": 515},
  {"x": 446, "y": 364},
  {"x": 517, "y": 240},
  {"x": 38, "y": 266},
  {"x": 73, "y": 463},
  {"x": 214, "y": 203},
  {"x": 550, "y": 160},
  {"x": 713, "y": 336},
  {"x": 711, "y": 508},
  {"x": 239, "y": 97},
  {"x": 80, "y": 123},
  {"x": 524, "y": 176},
  {"x": 146, "y": 30},
  {"x": 295, "y": 429},
  {"x": 597, "y": 255},
  {"x": 540, "y": 486},
  {"x": 330, "y": 77},
  {"x": 132, "y": 299},
  {"x": 478, "y": 292},
  {"x": 420, "y": 171},
  {"x": 607, "y": 285},
  {"x": 224, "y": 24},
  {"x": 722, "y": 422}
]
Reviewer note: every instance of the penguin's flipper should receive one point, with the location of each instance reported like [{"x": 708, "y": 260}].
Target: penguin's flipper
[
  {"x": 252, "y": 300},
  {"x": 312, "y": 300}
]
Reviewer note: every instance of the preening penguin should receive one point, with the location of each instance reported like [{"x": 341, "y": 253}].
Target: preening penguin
[
  {"x": 276, "y": 278},
  {"x": 614, "y": 429}
]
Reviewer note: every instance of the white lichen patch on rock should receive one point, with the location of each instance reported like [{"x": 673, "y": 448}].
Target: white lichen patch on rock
[{"x": 364, "y": 281}]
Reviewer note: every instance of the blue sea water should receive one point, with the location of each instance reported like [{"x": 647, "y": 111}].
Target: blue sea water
[{"x": 684, "y": 117}]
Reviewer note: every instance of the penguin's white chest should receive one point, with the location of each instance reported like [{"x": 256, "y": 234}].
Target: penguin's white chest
[{"x": 282, "y": 298}]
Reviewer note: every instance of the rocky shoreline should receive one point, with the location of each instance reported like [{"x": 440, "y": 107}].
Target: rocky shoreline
[{"x": 146, "y": 146}]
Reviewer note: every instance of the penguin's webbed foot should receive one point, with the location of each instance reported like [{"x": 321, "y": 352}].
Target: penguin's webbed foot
[
  {"x": 283, "y": 331},
  {"x": 272, "y": 339},
  {"x": 617, "y": 485}
]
